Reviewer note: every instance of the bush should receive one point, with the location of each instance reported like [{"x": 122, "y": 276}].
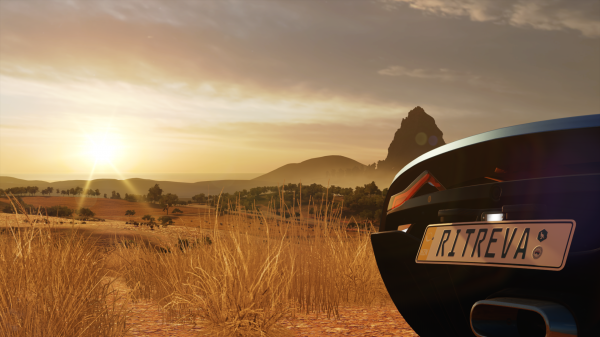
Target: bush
[
  {"x": 9, "y": 208},
  {"x": 165, "y": 220},
  {"x": 85, "y": 213},
  {"x": 62, "y": 211}
]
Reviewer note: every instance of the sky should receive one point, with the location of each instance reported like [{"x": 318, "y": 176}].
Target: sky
[{"x": 139, "y": 87}]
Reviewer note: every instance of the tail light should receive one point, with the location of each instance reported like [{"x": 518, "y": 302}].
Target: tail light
[{"x": 424, "y": 178}]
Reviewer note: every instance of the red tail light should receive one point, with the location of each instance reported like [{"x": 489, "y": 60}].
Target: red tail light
[{"x": 422, "y": 179}]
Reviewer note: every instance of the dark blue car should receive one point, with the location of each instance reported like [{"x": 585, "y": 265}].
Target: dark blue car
[{"x": 498, "y": 234}]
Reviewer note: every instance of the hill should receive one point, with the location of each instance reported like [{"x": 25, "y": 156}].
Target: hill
[
  {"x": 418, "y": 133},
  {"x": 317, "y": 170}
]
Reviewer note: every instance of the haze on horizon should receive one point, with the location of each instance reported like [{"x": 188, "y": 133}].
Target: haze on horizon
[{"x": 178, "y": 87}]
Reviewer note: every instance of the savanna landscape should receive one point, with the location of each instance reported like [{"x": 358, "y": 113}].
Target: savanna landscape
[
  {"x": 238, "y": 274},
  {"x": 219, "y": 167}
]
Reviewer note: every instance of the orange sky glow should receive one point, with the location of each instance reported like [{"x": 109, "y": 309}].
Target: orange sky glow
[{"x": 130, "y": 87}]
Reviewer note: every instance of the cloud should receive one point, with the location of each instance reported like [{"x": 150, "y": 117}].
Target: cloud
[
  {"x": 288, "y": 61},
  {"x": 440, "y": 74},
  {"x": 582, "y": 16},
  {"x": 448, "y": 76}
]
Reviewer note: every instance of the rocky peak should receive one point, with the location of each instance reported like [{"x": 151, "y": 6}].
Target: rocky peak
[{"x": 417, "y": 134}]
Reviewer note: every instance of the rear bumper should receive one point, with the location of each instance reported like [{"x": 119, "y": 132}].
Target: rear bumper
[{"x": 436, "y": 300}]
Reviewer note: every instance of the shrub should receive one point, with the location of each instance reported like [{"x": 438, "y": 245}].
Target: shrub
[
  {"x": 166, "y": 220},
  {"x": 85, "y": 213},
  {"x": 61, "y": 211}
]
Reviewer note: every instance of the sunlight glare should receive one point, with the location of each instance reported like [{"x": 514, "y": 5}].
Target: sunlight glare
[{"x": 102, "y": 150}]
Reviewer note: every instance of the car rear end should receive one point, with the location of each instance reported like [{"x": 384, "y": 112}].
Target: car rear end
[{"x": 539, "y": 182}]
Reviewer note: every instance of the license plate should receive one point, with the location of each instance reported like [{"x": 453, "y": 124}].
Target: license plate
[{"x": 530, "y": 244}]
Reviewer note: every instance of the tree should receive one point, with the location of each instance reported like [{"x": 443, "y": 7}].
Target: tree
[
  {"x": 85, "y": 213},
  {"x": 32, "y": 190},
  {"x": 59, "y": 211},
  {"x": 105, "y": 196},
  {"x": 168, "y": 200},
  {"x": 154, "y": 193},
  {"x": 130, "y": 212},
  {"x": 130, "y": 197},
  {"x": 200, "y": 198},
  {"x": 150, "y": 219},
  {"x": 166, "y": 220},
  {"x": 97, "y": 192},
  {"x": 76, "y": 191},
  {"x": 177, "y": 210},
  {"x": 47, "y": 190}
]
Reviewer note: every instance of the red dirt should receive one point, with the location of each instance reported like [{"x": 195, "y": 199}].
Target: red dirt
[
  {"x": 111, "y": 209},
  {"x": 147, "y": 319}
]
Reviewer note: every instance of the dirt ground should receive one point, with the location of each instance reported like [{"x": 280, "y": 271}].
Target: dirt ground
[
  {"x": 111, "y": 209},
  {"x": 147, "y": 319}
]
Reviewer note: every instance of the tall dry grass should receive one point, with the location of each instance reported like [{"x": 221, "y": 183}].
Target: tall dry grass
[
  {"x": 255, "y": 269},
  {"x": 54, "y": 286}
]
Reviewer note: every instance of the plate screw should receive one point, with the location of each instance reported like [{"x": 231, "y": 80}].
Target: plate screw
[{"x": 537, "y": 252}]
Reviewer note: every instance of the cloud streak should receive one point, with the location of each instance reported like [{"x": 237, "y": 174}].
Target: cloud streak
[
  {"x": 582, "y": 16},
  {"x": 256, "y": 84}
]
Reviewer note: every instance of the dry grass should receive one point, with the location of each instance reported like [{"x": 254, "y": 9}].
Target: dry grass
[
  {"x": 111, "y": 209},
  {"x": 256, "y": 271},
  {"x": 241, "y": 277},
  {"x": 54, "y": 286}
]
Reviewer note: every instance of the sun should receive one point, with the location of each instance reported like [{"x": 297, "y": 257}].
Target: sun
[{"x": 102, "y": 150}]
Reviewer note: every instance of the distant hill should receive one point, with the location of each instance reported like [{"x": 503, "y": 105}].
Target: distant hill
[
  {"x": 309, "y": 171},
  {"x": 316, "y": 170},
  {"x": 418, "y": 133}
]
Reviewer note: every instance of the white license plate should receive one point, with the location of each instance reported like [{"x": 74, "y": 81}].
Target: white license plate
[{"x": 530, "y": 244}]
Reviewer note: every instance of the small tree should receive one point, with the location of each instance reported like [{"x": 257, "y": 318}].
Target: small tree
[
  {"x": 130, "y": 212},
  {"x": 168, "y": 200},
  {"x": 154, "y": 193},
  {"x": 176, "y": 210},
  {"x": 85, "y": 213},
  {"x": 166, "y": 220}
]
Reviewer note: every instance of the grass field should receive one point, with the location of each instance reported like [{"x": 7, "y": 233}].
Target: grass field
[
  {"x": 112, "y": 209},
  {"x": 242, "y": 276}
]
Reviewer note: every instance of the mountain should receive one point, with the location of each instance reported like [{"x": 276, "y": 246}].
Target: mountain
[
  {"x": 417, "y": 134},
  {"x": 316, "y": 170}
]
